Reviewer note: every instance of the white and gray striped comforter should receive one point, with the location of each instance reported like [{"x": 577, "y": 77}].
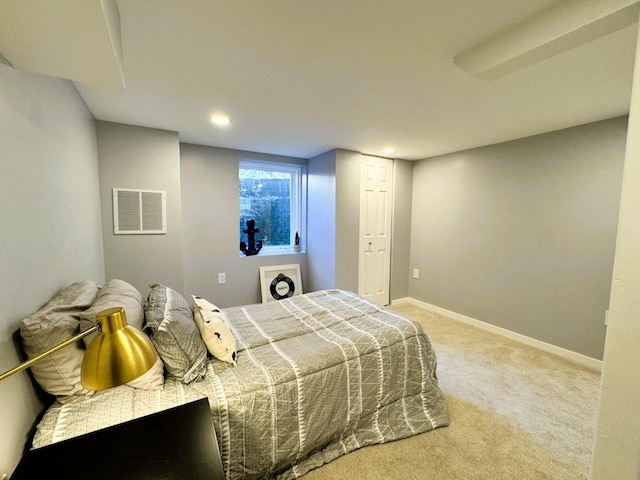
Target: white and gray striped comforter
[{"x": 318, "y": 375}]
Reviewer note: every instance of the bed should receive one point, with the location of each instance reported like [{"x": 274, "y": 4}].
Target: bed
[{"x": 316, "y": 376}]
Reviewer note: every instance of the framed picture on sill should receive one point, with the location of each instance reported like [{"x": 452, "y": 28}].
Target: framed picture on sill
[{"x": 280, "y": 281}]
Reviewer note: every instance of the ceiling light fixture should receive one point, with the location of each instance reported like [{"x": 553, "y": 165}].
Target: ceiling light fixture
[
  {"x": 220, "y": 120},
  {"x": 388, "y": 150},
  {"x": 562, "y": 27}
]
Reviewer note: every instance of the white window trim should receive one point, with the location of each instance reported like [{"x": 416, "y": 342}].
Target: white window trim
[{"x": 298, "y": 209}]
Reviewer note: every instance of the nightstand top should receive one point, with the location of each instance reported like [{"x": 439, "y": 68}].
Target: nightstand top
[{"x": 179, "y": 443}]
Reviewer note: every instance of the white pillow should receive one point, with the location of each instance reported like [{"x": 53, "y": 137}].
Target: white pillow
[
  {"x": 214, "y": 329},
  {"x": 153, "y": 379}
]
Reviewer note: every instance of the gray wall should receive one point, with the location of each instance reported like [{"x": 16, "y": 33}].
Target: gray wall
[
  {"x": 210, "y": 213},
  {"x": 347, "y": 225},
  {"x": 334, "y": 220},
  {"x": 50, "y": 217},
  {"x": 401, "y": 230},
  {"x": 522, "y": 234},
  {"x": 617, "y": 439},
  {"x": 321, "y": 221},
  {"x": 147, "y": 159}
]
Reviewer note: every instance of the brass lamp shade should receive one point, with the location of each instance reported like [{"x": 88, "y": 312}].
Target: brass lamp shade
[{"x": 119, "y": 354}]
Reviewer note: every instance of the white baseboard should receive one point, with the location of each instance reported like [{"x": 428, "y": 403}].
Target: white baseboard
[
  {"x": 583, "y": 360},
  {"x": 401, "y": 300}
]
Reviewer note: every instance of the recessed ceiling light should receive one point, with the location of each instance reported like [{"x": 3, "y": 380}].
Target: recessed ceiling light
[
  {"x": 220, "y": 120},
  {"x": 388, "y": 150}
]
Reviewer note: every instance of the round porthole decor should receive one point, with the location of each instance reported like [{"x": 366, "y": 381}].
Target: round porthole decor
[{"x": 282, "y": 287}]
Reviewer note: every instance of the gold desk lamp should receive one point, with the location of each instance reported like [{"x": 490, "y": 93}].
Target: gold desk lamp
[{"x": 118, "y": 354}]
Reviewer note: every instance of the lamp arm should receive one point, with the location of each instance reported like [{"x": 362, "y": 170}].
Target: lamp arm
[{"x": 45, "y": 354}]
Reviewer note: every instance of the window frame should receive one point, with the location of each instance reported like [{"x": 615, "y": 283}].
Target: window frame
[{"x": 297, "y": 201}]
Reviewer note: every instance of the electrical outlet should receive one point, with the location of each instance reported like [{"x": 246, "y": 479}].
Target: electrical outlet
[
  {"x": 416, "y": 273},
  {"x": 606, "y": 317},
  {"x": 222, "y": 278}
]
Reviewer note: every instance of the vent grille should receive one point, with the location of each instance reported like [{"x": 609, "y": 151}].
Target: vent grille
[{"x": 139, "y": 212}]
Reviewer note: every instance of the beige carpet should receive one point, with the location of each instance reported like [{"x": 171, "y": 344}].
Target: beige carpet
[{"x": 516, "y": 413}]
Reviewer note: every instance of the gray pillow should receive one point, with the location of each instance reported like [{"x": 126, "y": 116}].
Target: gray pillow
[
  {"x": 169, "y": 322},
  {"x": 118, "y": 293},
  {"x": 57, "y": 321},
  {"x": 115, "y": 293}
]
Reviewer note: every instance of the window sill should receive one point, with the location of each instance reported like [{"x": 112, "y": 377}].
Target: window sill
[{"x": 273, "y": 251}]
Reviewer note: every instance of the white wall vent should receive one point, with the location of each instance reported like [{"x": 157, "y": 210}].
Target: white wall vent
[{"x": 139, "y": 212}]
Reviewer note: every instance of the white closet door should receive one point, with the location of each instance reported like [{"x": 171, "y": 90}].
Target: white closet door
[{"x": 376, "y": 196}]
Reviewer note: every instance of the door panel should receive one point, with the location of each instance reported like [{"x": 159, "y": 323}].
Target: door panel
[
  {"x": 369, "y": 207},
  {"x": 382, "y": 221},
  {"x": 368, "y": 271}
]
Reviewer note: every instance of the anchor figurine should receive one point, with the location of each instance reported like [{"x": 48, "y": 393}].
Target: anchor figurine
[{"x": 254, "y": 245}]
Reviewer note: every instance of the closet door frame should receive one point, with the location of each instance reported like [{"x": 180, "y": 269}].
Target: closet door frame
[{"x": 376, "y": 209}]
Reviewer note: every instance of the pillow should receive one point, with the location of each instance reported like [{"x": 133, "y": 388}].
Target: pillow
[
  {"x": 59, "y": 320},
  {"x": 115, "y": 293},
  {"x": 214, "y": 329},
  {"x": 169, "y": 323},
  {"x": 153, "y": 379}
]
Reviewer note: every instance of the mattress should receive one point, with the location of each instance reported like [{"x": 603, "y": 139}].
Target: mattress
[{"x": 317, "y": 376}]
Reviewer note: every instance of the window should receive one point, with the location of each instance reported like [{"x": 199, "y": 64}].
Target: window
[{"x": 272, "y": 194}]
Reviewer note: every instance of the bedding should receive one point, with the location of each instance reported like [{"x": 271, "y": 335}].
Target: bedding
[
  {"x": 214, "y": 329},
  {"x": 169, "y": 323},
  {"x": 71, "y": 311},
  {"x": 114, "y": 293},
  {"x": 57, "y": 321},
  {"x": 317, "y": 376}
]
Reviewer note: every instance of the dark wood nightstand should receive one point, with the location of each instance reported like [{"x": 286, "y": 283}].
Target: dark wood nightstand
[{"x": 179, "y": 443}]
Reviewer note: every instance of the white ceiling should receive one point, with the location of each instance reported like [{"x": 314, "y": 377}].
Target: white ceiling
[{"x": 300, "y": 77}]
